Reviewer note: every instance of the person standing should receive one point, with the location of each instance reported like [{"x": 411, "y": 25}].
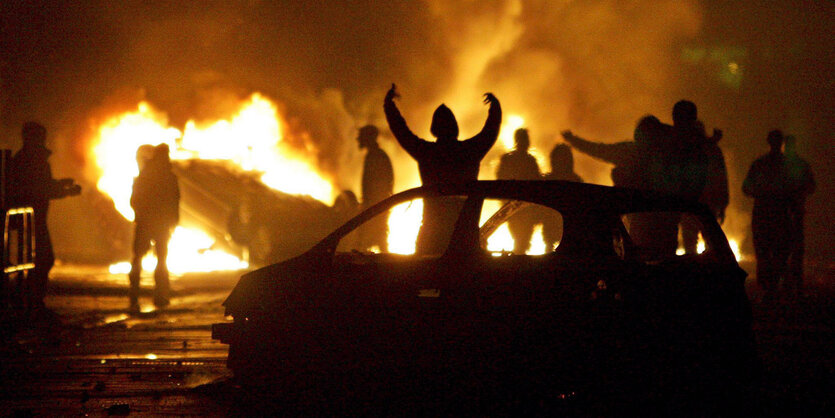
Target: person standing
[
  {"x": 445, "y": 161},
  {"x": 31, "y": 184},
  {"x": 519, "y": 164},
  {"x": 377, "y": 184},
  {"x": 803, "y": 184},
  {"x": 156, "y": 202},
  {"x": 768, "y": 183},
  {"x": 562, "y": 168}
]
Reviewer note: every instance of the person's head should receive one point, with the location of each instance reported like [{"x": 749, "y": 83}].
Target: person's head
[
  {"x": 367, "y": 136},
  {"x": 34, "y": 134},
  {"x": 522, "y": 140},
  {"x": 161, "y": 154},
  {"x": 648, "y": 129},
  {"x": 775, "y": 140},
  {"x": 684, "y": 113},
  {"x": 444, "y": 126},
  {"x": 144, "y": 154},
  {"x": 562, "y": 160}
]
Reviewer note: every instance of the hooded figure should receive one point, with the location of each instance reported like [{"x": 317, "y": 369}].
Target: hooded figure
[
  {"x": 445, "y": 161},
  {"x": 156, "y": 202},
  {"x": 31, "y": 184}
]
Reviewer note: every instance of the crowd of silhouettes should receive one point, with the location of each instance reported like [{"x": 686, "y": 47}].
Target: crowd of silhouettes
[{"x": 680, "y": 159}]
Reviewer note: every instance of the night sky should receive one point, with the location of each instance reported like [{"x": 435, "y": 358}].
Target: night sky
[{"x": 592, "y": 66}]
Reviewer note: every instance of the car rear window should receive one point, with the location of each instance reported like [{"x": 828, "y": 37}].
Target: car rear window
[{"x": 529, "y": 228}]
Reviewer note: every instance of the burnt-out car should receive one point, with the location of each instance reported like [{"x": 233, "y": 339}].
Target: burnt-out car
[{"x": 605, "y": 318}]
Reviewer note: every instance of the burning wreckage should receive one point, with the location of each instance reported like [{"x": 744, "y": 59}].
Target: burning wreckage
[
  {"x": 605, "y": 318},
  {"x": 243, "y": 213}
]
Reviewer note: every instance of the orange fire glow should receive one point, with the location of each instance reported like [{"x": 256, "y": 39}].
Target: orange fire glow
[{"x": 251, "y": 140}]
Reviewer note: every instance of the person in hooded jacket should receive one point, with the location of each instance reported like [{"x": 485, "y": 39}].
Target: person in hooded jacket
[
  {"x": 31, "y": 184},
  {"x": 445, "y": 161},
  {"x": 156, "y": 202}
]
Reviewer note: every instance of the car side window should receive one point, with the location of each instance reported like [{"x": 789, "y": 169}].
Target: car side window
[
  {"x": 398, "y": 230},
  {"x": 527, "y": 228},
  {"x": 656, "y": 237}
]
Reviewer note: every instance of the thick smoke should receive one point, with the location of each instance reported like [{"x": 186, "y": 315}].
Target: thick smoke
[{"x": 591, "y": 66}]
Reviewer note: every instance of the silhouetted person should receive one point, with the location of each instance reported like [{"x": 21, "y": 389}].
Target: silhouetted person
[
  {"x": 802, "y": 184},
  {"x": 377, "y": 184},
  {"x": 632, "y": 159},
  {"x": 156, "y": 202},
  {"x": 562, "y": 168},
  {"x": 683, "y": 159},
  {"x": 520, "y": 165},
  {"x": 31, "y": 184},
  {"x": 715, "y": 193},
  {"x": 769, "y": 184},
  {"x": 641, "y": 164},
  {"x": 445, "y": 161}
]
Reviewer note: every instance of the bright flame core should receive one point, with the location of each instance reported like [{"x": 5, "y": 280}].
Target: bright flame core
[{"x": 250, "y": 140}]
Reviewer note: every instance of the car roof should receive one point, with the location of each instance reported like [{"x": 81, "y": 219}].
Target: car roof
[{"x": 570, "y": 196}]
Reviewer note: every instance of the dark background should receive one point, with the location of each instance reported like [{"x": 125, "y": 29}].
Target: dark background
[{"x": 593, "y": 66}]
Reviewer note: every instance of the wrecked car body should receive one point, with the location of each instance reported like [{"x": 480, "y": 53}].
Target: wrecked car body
[{"x": 597, "y": 319}]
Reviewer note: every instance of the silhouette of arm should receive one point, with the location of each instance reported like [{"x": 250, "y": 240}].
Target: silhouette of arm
[
  {"x": 408, "y": 140},
  {"x": 618, "y": 153},
  {"x": 484, "y": 140}
]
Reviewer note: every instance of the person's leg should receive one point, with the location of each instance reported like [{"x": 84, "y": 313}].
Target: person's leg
[
  {"x": 161, "y": 282},
  {"x": 141, "y": 245},
  {"x": 794, "y": 273},
  {"x": 44, "y": 260}
]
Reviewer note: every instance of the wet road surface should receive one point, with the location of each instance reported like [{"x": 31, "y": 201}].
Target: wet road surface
[{"x": 96, "y": 359}]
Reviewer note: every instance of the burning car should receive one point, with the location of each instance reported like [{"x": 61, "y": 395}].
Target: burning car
[{"x": 602, "y": 318}]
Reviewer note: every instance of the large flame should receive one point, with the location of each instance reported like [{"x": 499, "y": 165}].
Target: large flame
[{"x": 251, "y": 140}]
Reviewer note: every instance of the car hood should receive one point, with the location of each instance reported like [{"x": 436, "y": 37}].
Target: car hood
[{"x": 264, "y": 289}]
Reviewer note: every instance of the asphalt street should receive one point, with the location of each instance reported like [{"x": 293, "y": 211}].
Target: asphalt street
[{"x": 97, "y": 359}]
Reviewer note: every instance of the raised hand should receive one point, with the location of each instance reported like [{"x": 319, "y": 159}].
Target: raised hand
[
  {"x": 568, "y": 135},
  {"x": 489, "y": 98},
  {"x": 717, "y": 134},
  {"x": 392, "y": 93}
]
